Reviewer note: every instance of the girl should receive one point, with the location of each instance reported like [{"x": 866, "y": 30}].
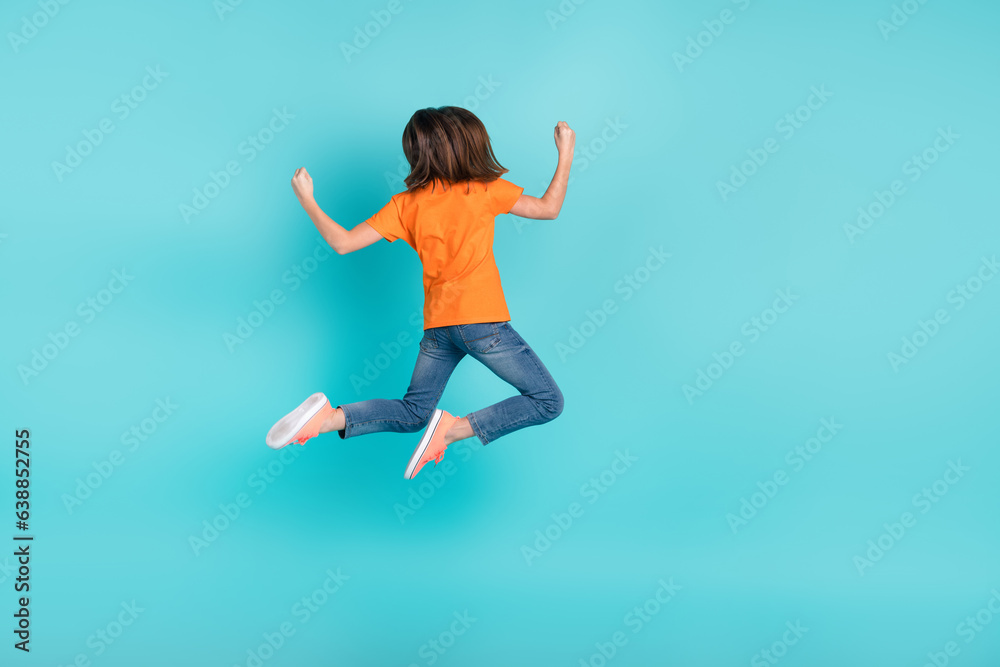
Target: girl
[{"x": 454, "y": 192}]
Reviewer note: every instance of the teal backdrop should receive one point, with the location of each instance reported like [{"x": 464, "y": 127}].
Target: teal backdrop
[{"x": 770, "y": 301}]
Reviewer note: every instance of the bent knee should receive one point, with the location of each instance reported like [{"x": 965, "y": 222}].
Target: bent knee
[
  {"x": 551, "y": 404},
  {"x": 423, "y": 419},
  {"x": 420, "y": 418},
  {"x": 413, "y": 427}
]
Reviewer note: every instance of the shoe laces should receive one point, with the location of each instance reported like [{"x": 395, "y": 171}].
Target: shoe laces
[{"x": 437, "y": 456}]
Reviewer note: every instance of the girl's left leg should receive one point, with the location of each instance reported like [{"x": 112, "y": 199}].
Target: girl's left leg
[
  {"x": 436, "y": 361},
  {"x": 501, "y": 349}
]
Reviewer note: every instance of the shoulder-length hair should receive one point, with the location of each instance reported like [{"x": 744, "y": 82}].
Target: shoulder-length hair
[{"x": 448, "y": 144}]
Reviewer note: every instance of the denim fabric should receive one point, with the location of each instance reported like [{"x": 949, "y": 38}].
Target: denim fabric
[{"x": 494, "y": 344}]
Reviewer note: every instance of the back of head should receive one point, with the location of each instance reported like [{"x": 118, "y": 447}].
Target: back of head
[{"x": 448, "y": 144}]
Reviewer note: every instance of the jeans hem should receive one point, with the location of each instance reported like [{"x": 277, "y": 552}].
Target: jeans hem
[
  {"x": 347, "y": 423},
  {"x": 476, "y": 429}
]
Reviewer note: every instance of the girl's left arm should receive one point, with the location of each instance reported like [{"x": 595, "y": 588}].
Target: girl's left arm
[{"x": 341, "y": 240}]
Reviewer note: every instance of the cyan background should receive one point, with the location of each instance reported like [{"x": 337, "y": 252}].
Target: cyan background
[{"x": 654, "y": 185}]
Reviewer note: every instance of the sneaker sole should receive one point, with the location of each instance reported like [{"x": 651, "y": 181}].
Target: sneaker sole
[
  {"x": 422, "y": 446},
  {"x": 281, "y": 433}
]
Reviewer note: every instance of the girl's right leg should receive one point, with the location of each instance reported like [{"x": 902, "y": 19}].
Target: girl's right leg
[{"x": 435, "y": 363}]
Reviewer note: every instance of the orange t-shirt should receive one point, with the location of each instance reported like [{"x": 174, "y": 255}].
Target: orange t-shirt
[{"x": 452, "y": 233}]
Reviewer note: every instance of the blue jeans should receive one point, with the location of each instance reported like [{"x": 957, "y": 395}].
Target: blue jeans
[{"x": 498, "y": 347}]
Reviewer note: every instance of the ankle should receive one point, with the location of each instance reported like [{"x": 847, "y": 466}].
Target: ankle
[
  {"x": 458, "y": 431},
  {"x": 334, "y": 421}
]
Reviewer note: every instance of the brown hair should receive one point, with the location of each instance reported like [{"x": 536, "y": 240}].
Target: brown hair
[{"x": 450, "y": 144}]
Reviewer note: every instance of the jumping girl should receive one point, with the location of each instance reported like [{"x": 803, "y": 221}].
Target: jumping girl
[{"x": 454, "y": 192}]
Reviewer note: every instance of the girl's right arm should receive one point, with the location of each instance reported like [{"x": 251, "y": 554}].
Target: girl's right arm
[
  {"x": 340, "y": 239},
  {"x": 547, "y": 206}
]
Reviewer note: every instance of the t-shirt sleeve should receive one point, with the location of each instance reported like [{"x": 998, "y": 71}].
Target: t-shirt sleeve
[
  {"x": 504, "y": 195},
  {"x": 388, "y": 223}
]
